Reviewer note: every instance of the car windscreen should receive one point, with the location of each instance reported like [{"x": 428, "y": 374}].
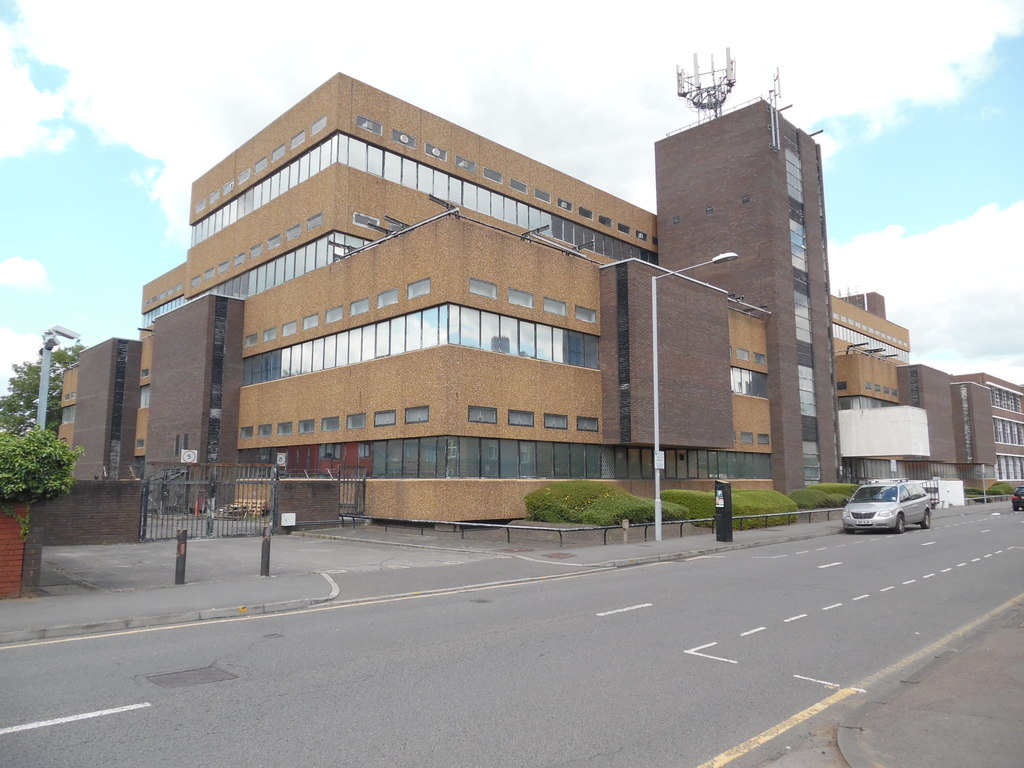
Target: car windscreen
[{"x": 875, "y": 493}]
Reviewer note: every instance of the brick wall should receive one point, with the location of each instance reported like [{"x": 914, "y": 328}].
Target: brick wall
[
  {"x": 11, "y": 554},
  {"x": 312, "y": 500},
  {"x": 96, "y": 512}
]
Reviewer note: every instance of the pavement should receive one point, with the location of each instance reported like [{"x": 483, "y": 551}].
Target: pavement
[{"x": 971, "y": 695}]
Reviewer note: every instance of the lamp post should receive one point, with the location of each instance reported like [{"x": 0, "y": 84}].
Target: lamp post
[
  {"x": 659, "y": 457},
  {"x": 49, "y": 342}
]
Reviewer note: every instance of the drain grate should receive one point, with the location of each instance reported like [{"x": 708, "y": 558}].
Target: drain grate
[{"x": 191, "y": 677}]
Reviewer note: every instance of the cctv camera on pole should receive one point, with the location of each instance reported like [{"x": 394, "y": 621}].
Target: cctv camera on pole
[{"x": 50, "y": 341}]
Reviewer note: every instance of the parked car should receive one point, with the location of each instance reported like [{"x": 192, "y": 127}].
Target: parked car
[
  {"x": 1017, "y": 499},
  {"x": 889, "y": 504}
]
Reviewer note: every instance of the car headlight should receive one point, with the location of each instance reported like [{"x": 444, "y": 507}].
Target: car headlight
[{"x": 885, "y": 513}]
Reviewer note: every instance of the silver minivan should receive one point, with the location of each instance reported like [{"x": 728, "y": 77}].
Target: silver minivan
[{"x": 889, "y": 504}]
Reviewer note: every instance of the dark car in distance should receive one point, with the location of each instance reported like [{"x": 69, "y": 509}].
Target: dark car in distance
[{"x": 1017, "y": 499}]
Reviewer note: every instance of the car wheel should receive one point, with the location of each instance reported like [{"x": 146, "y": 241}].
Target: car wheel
[
  {"x": 926, "y": 521},
  {"x": 901, "y": 524},
  {"x": 848, "y": 530}
]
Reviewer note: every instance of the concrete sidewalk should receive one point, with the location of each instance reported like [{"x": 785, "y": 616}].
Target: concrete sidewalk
[{"x": 972, "y": 695}]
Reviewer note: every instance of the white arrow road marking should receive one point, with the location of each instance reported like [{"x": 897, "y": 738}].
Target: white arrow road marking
[
  {"x": 623, "y": 610},
  {"x": 72, "y": 718},
  {"x": 694, "y": 652},
  {"x": 826, "y": 683}
]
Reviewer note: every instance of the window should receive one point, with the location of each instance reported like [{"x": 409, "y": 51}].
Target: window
[
  {"x": 605, "y": 220},
  {"x": 369, "y": 125},
  {"x": 742, "y": 354},
  {"x": 273, "y": 242},
  {"x": 270, "y": 334},
  {"x": 144, "y": 373},
  {"x": 556, "y": 421},
  {"x": 483, "y": 288},
  {"x": 387, "y": 298},
  {"x": 419, "y": 288},
  {"x": 520, "y": 298},
  {"x": 314, "y": 221},
  {"x": 355, "y": 421},
  {"x": 140, "y": 443},
  {"x": 245, "y": 433},
  {"x": 540, "y": 194},
  {"x": 564, "y": 204},
  {"x": 298, "y": 138},
  {"x": 483, "y": 415},
  {"x": 746, "y": 437},
  {"x": 493, "y": 175},
  {"x": 384, "y": 418},
  {"x": 759, "y": 358},
  {"x": 307, "y": 426},
  {"x": 329, "y": 424},
  {"x": 554, "y": 306},
  {"x": 435, "y": 152},
  {"x": 418, "y": 415},
  {"x": 256, "y": 250},
  {"x": 289, "y": 328},
  {"x": 520, "y": 418},
  {"x": 222, "y": 267},
  {"x": 518, "y": 186},
  {"x": 277, "y": 154},
  {"x": 586, "y": 423},
  {"x": 294, "y": 231},
  {"x": 240, "y": 259},
  {"x": 265, "y": 430},
  {"x": 641, "y": 235},
  {"x": 251, "y": 339},
  {"x": 261, "y": 165},
  {"x": 464, "y": 164},
  {"x": 334, "y": 314},
  {"x": 359, "y": 307},
  {"x": 403, "y": 138},
  {"x": 763, "y": 439},
  {"x": 745, "y": 382},
  {"x": 586, "y": 315},
  {"x": 310, "y": 321},
  {"x": 284, "y": 428},
  {"x": 318, "y": 126},
  {"x": 143, "y": 397}
]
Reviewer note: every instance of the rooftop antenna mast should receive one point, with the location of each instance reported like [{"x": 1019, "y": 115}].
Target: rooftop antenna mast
[{"x": 707, "y": 91}]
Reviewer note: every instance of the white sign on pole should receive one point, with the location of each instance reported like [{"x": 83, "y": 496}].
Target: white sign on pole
[{"x": 659, "y": 459}]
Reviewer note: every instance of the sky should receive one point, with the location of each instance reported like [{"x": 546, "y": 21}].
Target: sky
[{"x": 110, "y": 109}]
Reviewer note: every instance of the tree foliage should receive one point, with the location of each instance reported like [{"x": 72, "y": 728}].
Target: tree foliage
[
  {"x": 34, "y": 467},
  {"x": 18, "y": 408}
]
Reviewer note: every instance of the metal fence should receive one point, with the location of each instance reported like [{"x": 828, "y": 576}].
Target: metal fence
[{"x": 207, "y": 500}]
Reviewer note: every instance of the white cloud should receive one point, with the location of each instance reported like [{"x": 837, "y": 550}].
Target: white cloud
[
  {"x": 184, "y": 83},
  {"x": 25, "y": 274},
  {"x": 16, "y": 348},
  {"x": 954, "y": 288},
  {"x": 28, "y": 115}
]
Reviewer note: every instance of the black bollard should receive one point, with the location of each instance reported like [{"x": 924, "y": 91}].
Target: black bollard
[
  {"x": 265, "y": 559},
  {"x": 179, "y": 565},
  {"x": 723, "y": 511}
]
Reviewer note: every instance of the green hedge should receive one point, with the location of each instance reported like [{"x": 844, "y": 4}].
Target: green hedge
[
  {"x": 844, "y": 490},
  {"x": 588, "y": 502},
  {"x": 1001, "y": 489},
  {"x": 701, "y": 504},
  {"x": 812, "y": 498}
]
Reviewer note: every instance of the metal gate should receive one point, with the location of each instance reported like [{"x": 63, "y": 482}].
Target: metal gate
[
  {"x": 351, "y": 491},
  {"x": 208, "y": 500}
]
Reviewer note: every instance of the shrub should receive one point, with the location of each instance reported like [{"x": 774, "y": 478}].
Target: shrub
[
  {"x": 973, "y": 492},
  {"x": 612, "y": 510},
  {"x": 701, "y": 504},
  {"x": 34, "y": 467},
  {"x": 1000, "y": 489},
  {"x": 558, "y": 502},
  {"x": 810, "y": 498},
  {"x": 842, "y": 490}
]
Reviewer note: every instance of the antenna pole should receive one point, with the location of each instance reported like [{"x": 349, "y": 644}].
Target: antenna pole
[{"x": 707, "y": 100}]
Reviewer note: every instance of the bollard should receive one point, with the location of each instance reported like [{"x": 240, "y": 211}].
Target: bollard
[
  {"x": 723, "y": 511},
  {"x": 179, "y": 564},
  {"x": 265, "y": 559},
  {"x": 625, "y": 531}
]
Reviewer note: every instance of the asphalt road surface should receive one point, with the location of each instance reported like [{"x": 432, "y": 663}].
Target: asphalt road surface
[{"x": 670, "y": 664}]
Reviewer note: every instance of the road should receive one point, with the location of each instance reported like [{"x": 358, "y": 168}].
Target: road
[{"x": 657, "y": 665}]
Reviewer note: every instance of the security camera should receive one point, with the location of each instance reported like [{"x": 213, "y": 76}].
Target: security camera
[{"x": 60, "y": 330}]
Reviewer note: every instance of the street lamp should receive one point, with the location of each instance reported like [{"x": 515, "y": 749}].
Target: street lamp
[
  {"x": 659, "y": 457},
  {"x": 49, "y": 342}
]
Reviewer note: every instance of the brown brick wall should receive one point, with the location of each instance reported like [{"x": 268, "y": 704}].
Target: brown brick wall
[
  {"x": 311, "y": 500},
  {"x": 928, "y": 388},
  {"x": 12, "y": 550},
  {"x": 96, "y": 512}
]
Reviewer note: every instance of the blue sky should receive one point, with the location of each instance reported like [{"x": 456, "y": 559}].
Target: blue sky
[{"x": 112, "y": 108}]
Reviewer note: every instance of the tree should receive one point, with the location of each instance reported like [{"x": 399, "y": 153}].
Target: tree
[
  {"x": 18, "y": 408},
  {"x": 34, "y": 467}
]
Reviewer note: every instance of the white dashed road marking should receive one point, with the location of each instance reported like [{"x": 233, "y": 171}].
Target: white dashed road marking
[{"x": 623, "y": 610}]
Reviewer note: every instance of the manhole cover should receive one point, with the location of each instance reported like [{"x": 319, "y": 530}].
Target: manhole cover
[
  {"x": 191, "y": 677},
  {"x": 560, "y": 555}
]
